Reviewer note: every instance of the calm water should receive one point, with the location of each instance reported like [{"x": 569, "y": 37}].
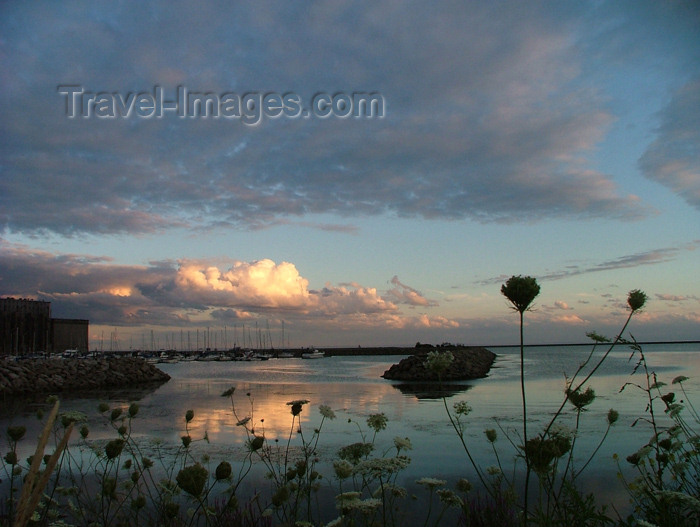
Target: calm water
[{"x": 353, "y": 387}]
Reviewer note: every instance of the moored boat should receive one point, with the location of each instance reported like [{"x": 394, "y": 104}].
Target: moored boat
[{"x": 313, "y": 353}]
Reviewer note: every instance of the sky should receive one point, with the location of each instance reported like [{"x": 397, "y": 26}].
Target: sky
[{"x": 351, "y": 173}]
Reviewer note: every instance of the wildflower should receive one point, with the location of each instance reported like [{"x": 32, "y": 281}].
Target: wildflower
[
  {"x": 223, "y": 470},
  {"x": 431, "y": 483},
  {"x": 595, "y": 337},
  {"x": 297, "y": 405},
  {"x": 116, "y": 413},
  {"x": 229, "y": 392},
  {"x": 377, "y": 422},
  {"x": 84, "y": 431},
  {"x": 580, "y": 399},
  {"x": 666, "y": 443},
  {"x": 402, "y": 444},
  {"x": 109, "y": 487},
  {"x": 342, "y": 469},
  {"x": 256, "y": 443},
  {"x": 378, "y": 467},
  {"x": 72, "y": 417},
  {"x": 542, "y": 451},
  {"x": 326, "y": 411},
  {"x": 243, "y": 421},
  {"x": 189, "y": 415},
  {"x": 186, "y": 440},
  {"x": 114, "y": 448},
  {"x": 280, "y": 496},
  {"x": 369, "y": 505},
  {"x": 346, "y": 496},
  {"x": 562, "y": 431},
  {"x": 139, "y": 502},
  {"x": 613, "y": 416},
  {"x": 192, "y": 479},
  {"x": 351, "y": 501},
  {"x": 449, "y": 498},
  {"x": 491, "y": 435},
  {"x": 355, "y": 451},
  {"x": 636, "y": 299},
  {"x": 462, "y": 408},
  {"x": 172, "y": 509},
  {"x": 394, "y": 490},
  {"x": 520, "y": 291},
  {"x": 679, "y": 379},
  {"x": 15, "y": 433},
  {"x": 103, "y": 407},
  {"x": 439, "y": 361},
  {"x": 133, "y": 409},
  {"x": 11, "y": 457},
  {"x": 463, "y": 485},
  {"x": 494, "y": 471}
]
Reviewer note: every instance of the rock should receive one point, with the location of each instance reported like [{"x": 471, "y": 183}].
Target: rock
[
  {"x": 75, "y": 375},
  {"x": 469, "y": 363}
]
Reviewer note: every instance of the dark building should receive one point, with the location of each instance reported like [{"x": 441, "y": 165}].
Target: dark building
[
  {"x": 26, "y": 327},
  {"x": 69, "y": 334}
]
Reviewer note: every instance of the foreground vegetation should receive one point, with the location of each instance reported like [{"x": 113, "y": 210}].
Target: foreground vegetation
[{"x": 117, "y": 482}]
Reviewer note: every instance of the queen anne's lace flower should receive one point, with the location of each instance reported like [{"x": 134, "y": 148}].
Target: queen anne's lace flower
[
  {"x": 449, "y": 498},
  {"x": 431, "y": 483},
  {"x": 381, "y": 466},
  {"x": 402, "y": 443},
  {"x": 326, "y": 411}
]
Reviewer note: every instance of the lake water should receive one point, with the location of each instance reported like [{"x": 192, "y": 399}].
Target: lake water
[{"x": 354, "y": 389}]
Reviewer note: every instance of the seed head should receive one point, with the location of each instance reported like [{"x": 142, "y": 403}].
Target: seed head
[
  {"x": 636, "y": 299},
  {"x": 223, "y": 470},
  {"x": 192, "y": 479},
  {"x": 15, "y": 433},
  {"x": 520, "y": 291},
  {"x": 114, "y": 448}
]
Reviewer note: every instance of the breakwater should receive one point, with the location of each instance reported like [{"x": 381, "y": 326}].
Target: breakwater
[
  {"x": 466, "y": 364},
  {"x": 75, "y": 375},
  {"x": 389, "y": 350}
]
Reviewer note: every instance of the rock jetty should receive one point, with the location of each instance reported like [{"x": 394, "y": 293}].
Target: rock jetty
[
  {"x": 75, "y": 375},
  {"x": 469, "y": 363}
]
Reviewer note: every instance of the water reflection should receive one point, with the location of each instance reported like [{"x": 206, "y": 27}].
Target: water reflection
[
  {"x": 431, "y": 390},
  {"x": 353, "y": 388}
]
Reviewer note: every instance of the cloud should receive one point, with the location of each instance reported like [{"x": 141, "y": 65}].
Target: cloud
[
  {"x": 263, "y": 284},
  {"x": 675, "y": 298},
  {"x": 673, "y": 158},
  {"x": 171, "y": 293},
  {"x": 404, "y": 294},
  {"x": 560, "y": 304},
  {"x": 489, "y": 117},
  {"x": 628, "y": 261},
  {"x": 573, "y": 320}
]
